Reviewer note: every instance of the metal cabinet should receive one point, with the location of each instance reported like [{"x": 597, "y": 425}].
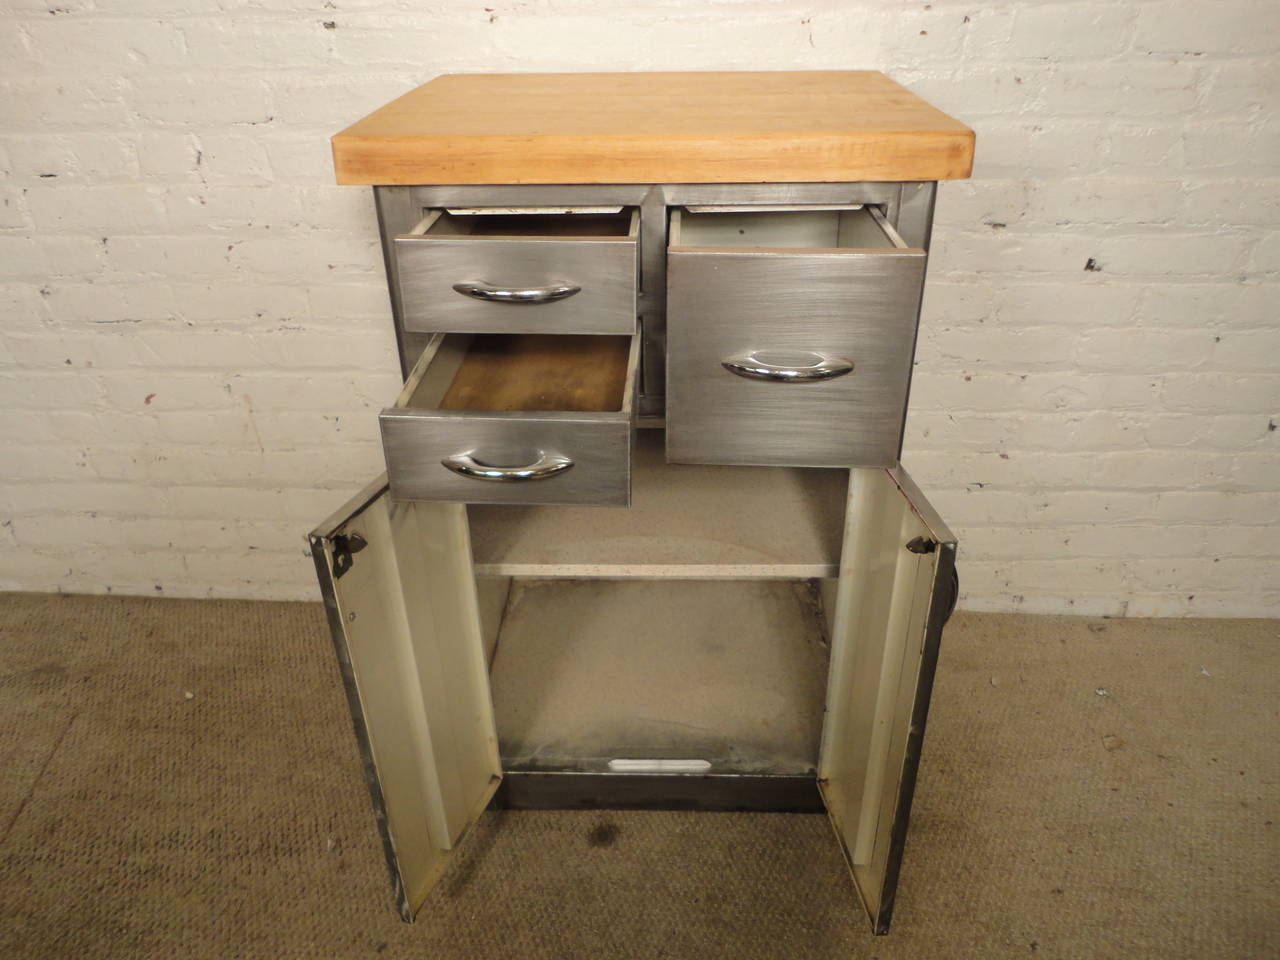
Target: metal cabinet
[
  {"x": 758, "y": 629},
  {"x": 790, "y": 333}
]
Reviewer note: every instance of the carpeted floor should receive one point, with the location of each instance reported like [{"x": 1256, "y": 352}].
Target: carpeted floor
[{"x": 178, "y": 779}]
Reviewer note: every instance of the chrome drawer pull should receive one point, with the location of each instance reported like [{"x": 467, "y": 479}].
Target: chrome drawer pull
[
  {"x": 546, "y": 466},
  {"x": 480, "y": 290},
  {"x": 751, "y": 367}
]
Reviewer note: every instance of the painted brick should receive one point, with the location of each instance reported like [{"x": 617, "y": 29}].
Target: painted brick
[
  {"x": 1147, "y": 88},
  {"x": 1224, "y": 432},
  {"x": 1244, "y": 88},
  {"x": 1233, "y": 147},
  {"x": 181, "y": 101},
  {"x": 1130, "y": 149},
  {"x": 106, "y": 303},
  {"x": 233, "y": 159},
  {"x": 242, "y": 210},
  {"x": 197, "y": 336},
  {"x": 1225, "y": 26},
  {"x": 137, "y": 45},
  {"x": 168, "y": 157},
  {"x": 1061, "y": 30},
  {"x": 93, "y": 158},
  {"x": 117, "y": 209},
  {"x": 1156, "y": 351},
  {"x": 1221, "y": 392},
  {"x": 22, "y": 257},
  {"x": 1099, "y": 201},
  {"x": 305, "y": 160},
  {"x": 1231, "y": 202},
  {"x": 40, "y": 104},
  {"x": 1224, "y": 304},
  {"x": 995, "y": 203},
  {"x": 1266, "y": 255},
  {"x": 241, "y": 43},
  {"x": 1162, "y": 254},
  {"x": 13, "y": 211},
  {"x": 244, "y": 308},
  {"x": 1071, "y": 304}
]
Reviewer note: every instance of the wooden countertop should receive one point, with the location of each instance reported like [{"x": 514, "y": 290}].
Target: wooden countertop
[{"x": 782, "y": 127}]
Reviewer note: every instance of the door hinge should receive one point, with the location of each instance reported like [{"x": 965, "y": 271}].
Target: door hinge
[
  {"x": 344, "y": 545},
  {"x": 922, "y": 545}
]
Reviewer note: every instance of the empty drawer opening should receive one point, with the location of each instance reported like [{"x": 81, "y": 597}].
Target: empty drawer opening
[
  {"x": 527, "y": 373},
  {"x": 515, "y": 418},
  {"x": 854, "y": 228},
  {"x": 665, "y": 676},
  {"x": 566, "y": 224}
]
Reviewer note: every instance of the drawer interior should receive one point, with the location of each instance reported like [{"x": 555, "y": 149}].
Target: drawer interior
[
  {"x": 524, "y": 373},
  {"x": 621, "y": 223},
  {"x": 828, "y": 228}
]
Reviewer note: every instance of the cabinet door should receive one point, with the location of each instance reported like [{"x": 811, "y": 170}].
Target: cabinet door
[
  {"x": 896, "y": 589},
  {"x": 400, "y": 596}
]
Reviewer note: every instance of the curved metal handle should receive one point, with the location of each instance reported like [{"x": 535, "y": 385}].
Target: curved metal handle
[
  {"x": 546, "y": 466},
  {"x": 491, "y": 292},
  {"x": 823, "y": 368}
]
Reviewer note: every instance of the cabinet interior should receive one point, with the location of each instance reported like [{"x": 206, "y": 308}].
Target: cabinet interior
[
  {"x": 855, "y": 227},
  {"x": 690, "y": 626},
  {"x": 729, "y": 672},
  {"x": 689, "y": 521},
  {"x": 562, "y": 224}
]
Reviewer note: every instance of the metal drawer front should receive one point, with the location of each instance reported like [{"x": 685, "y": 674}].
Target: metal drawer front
[
  {"x": 798, "y": 357},
  {"x": 522, "y": 282},
  {"x": 504, "y": 456}
]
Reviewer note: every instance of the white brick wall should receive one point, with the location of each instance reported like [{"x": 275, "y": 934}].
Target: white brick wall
[{"x": 196, "y": 337}]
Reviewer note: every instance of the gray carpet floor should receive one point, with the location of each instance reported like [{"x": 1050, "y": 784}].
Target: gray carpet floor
[{"x": 178, "y": 779}]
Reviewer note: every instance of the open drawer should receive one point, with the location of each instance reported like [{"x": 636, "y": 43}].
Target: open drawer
[
  {"x": 790, "y": 334},
  {"x": 567, "y": 270},
  {"x": 528, "y": 418}
]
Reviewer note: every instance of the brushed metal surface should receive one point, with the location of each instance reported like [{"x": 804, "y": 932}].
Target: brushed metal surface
[
  {"x": 418, "y": 439},
  {"x": 416, "y": 442},
  {"x": 723, "y": 302},
  {"x": 605, "y": 268},
  {"x": 909, "y": 206}
]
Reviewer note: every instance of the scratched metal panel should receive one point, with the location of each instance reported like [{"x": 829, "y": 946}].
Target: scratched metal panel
[
  {"x": 604, "y": 268},
  {"x": 723, "y": 302},
  {"x": 896, "y": 590},
  {"x": 416, "y": 441}
]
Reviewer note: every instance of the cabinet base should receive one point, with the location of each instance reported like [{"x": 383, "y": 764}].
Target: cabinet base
[{"x": 629, "y": 791}]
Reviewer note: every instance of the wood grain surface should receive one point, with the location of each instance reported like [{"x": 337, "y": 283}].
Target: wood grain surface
[
  {"x": 779, "y": 127},
  {"x": 533, "y": 372}
]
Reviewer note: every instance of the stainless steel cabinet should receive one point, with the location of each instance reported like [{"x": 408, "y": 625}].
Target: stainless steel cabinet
[
  {"x": 789, "y": 336},
  {"x": 533, "y": 445},
  {"x": 757, "y": 630},
  {"x": 465, "y": 271}
]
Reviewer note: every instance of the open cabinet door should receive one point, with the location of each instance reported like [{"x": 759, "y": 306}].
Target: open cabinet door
[
  {"x": 400, "y": 596},
  {"x": 897, "y": 587}
]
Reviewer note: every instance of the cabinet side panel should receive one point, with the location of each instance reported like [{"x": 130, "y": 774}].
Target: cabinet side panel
[
  {"x": 373, "y": 637},
  {"x": 879, "y": 634},
  {"x": 433, "y": 553},
  {"x": 402, "y": 606}
]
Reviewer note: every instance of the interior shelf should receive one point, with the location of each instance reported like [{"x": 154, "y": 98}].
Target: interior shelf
[
  {"x": 685, "y": 521},
  {"x": 729, "y": 672}
]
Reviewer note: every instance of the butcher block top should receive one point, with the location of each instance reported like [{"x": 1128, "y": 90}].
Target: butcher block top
[{"x": 782, "y": 127}]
